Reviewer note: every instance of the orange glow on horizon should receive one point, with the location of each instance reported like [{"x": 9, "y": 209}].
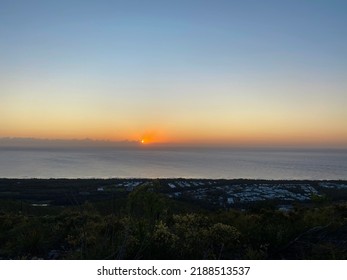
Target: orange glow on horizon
[
  {"x": 153, "y": 136},
  {"x": 236, "y": 140},
  {"x": 236, "y": 134}
]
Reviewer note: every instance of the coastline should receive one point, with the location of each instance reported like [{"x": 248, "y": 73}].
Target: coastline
[{"x": 219, "y": 193}]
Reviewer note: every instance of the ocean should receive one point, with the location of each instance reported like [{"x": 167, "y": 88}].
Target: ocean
[{"x": 174, "y": 163}]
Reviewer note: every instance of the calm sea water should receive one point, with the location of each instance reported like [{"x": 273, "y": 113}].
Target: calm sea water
[{"x": 161, "y": 163}]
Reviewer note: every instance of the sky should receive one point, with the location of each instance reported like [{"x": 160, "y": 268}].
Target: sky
[{"x": 199, "y": 72}]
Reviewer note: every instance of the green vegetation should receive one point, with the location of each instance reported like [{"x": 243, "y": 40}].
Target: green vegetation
[{"x": 146, "y": 224}]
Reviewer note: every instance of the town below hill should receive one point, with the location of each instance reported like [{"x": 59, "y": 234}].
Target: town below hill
[
  {"x": 235, "y": 193},
  {"x": 172, "y": 219}
]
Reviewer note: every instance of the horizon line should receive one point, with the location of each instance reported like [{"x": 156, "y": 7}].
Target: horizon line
[{"x": 32, "y": 142}]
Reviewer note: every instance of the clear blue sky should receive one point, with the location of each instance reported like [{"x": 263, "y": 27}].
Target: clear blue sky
[{"x": 213, "y": 71}]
